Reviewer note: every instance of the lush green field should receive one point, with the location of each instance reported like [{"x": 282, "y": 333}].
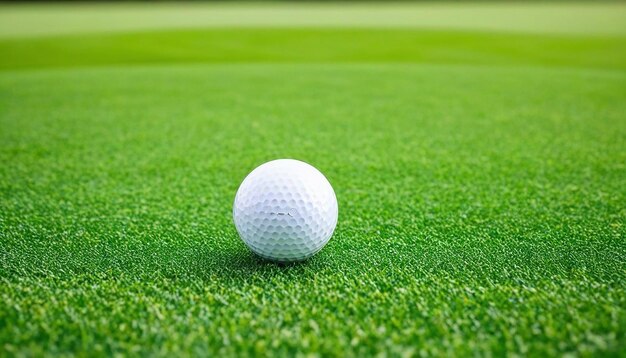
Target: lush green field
[{"x": 480, "y": 176}]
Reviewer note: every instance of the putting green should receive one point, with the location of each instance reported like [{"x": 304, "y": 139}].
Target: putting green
[{"x": 480, "y": 179}]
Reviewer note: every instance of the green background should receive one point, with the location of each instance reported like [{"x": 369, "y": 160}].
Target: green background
[{"x": 477, "y": 151}]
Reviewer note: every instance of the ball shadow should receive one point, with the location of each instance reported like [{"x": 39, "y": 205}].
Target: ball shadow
[{"x": 241, "y": 263}]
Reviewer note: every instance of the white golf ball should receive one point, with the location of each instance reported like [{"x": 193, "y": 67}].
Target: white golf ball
[{"x": 285, "y": 210}]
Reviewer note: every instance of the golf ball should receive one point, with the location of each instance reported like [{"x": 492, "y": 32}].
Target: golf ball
[{"x": 285, "y": 210}]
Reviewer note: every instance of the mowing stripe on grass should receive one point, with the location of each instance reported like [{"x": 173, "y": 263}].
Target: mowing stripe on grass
[{"x": 313, "y": 45}]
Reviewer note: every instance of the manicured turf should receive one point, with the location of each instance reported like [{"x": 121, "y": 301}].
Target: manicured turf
[
  {"x": 581, "y": 18},
  {"x": 481, "y": 196},
  {"x": 314, "y": 45}
]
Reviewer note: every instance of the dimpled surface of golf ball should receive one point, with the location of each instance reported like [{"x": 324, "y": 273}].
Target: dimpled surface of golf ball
[{"x": 285, "y": 210}]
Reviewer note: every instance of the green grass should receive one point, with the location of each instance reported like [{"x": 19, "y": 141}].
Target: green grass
[
  {"x": 577, "y": 18},
  {"x": 480, "y": 186},
  {"x": 314, "y": 45}
]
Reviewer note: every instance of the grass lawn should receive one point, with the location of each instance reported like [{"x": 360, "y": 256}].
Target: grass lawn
[{"x": 481, "y": 180}]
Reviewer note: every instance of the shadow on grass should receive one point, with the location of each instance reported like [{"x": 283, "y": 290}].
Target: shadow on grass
[{"x": 244, "y": 263}]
